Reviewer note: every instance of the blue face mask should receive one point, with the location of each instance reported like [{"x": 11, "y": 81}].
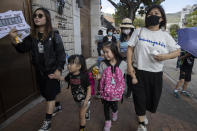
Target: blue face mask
[
  {"x": 123, "y": 46},
  {"x": 110, "y": 33}
]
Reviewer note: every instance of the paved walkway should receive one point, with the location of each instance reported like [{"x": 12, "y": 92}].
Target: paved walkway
[
  {"x": 172, "y": 115},
  {"x": 173, "y": 73}
]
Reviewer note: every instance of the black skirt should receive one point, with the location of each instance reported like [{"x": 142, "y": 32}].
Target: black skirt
[
  {"x": 49, "y": 88},
  {"x": 147, "y": 92}
]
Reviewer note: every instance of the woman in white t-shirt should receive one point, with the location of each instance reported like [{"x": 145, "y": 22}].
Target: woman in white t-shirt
[{"x": 148, "y": 48}]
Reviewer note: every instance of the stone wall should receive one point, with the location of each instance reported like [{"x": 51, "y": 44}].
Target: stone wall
[
  {"x": 64, "y": 22},
  {"x": 95, "y": 24}
]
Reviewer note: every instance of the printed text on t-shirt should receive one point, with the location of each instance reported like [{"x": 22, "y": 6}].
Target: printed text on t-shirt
[{"x": 153, "y": 42}]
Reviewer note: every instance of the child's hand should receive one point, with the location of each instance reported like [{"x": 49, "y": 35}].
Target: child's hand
[
  {"x": 98, "y": 77},
  {"x": 134, "y": 81},
  {"x": 55, "y": 75}
]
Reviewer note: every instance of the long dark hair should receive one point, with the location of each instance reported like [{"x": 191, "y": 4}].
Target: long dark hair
[
  {"x": 114, "y": 49},
  {"x": 80, "y": 60},
  {"x": 48, "y": 25},
  {"x": 123, "y": 36},
  {"x": 163, "y": 15}
]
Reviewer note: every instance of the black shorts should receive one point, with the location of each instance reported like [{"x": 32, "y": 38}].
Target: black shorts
[
  {"x": 185, "y": 74},
  {"x": 49, "y": 88},
  {"x": 147, "y": 92}
]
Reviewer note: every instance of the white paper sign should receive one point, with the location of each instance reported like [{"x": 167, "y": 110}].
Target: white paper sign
[{"x": 13, "y": 19}]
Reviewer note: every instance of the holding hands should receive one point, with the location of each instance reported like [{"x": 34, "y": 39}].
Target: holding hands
[{"x": 56, "y": 75}]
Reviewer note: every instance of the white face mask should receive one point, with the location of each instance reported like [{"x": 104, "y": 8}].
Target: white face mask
[{"x": 126, "y": 31}]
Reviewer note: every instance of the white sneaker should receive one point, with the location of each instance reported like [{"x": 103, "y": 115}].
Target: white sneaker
[
  {"x": 145, "y": 120},
  {"x": 46, "y": 126},
  {"x": 141, "y": 128}
]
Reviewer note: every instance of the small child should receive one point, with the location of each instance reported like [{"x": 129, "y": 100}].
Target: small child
[
  {"x": 186, "y": 66},
  {"x": 112, "y": 82},
  {"x": 79, "y": 82}
]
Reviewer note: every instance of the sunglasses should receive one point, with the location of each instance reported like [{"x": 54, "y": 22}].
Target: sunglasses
[{"x": 38, "y": 15}]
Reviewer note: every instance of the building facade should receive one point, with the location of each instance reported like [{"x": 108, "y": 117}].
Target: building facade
[{"x": 185, "y": 11}]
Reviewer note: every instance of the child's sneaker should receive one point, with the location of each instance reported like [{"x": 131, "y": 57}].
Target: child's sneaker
[
  {"x": 176, "y": 94},
  {"x": 115, "y": 116},
  {"x": 107, "y": 125},
  {"x": 87, "y": 115},
  {"x": 57, "y": 109},
  {"x": 141, "y": 127},
  {"x": 98, "y": 96},
  {"x": 185, "y": 93},
  {"x": 83, "y": 129},
  {"x": 46, "y": 126}
]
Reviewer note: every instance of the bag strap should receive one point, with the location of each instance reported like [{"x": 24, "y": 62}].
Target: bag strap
[
  {"x": 113, "y": 68},
  {"x": 140, "y": 32}
]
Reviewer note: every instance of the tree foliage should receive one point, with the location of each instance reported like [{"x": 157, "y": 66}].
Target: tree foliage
[
  {"x": 138, "y": 22},
  {"x": 173, "y": 31},
  {"x": 191, "y": 19},
  {"x": 121, "y": 13},
  {"x": 128, "y": 8}
]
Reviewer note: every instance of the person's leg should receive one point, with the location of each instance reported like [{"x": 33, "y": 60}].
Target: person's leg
[
  {"x": 139, "y": 97},
  {"x": 179, "y": 83},
  {"x": 184, "y": 92},
  {"x": 185, "y": 85},
  {"x": 50, "y": 90},
  {"x": 50, "y": 106},
  {"x": 155, "y": 89},
  {"x": 129, "y": 85},
  {"x": 82, "y": 113},
  {"x": 99, "y": 51},
  {"x": 58, "y": 106},
  {"x": 188, "y": 74},
  {"x": 114, "y": 107},
  {"x": 49, "y": 111},
  {"x": 107, "y": 105}
]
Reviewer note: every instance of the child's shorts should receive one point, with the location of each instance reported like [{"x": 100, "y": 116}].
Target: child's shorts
[{"x": 186, "y": 75}]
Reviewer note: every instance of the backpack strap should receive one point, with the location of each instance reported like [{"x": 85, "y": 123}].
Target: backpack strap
[
  {"x": 140, "y": 32},
  {"x": 113, "y": 68}
]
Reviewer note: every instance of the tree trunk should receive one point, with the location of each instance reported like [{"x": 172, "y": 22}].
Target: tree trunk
[
  {"x": 113, "y": 3},
  {"x": 131, "y": 13}
]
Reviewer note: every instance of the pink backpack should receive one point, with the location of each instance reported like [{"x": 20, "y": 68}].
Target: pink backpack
[{"x": 112, "y": 83}]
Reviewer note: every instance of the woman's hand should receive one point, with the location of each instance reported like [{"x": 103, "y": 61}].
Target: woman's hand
[
  {"x": 13, "y": 33},
  {"x": 55, "y": 75},
  {"x": 160, "y": 57}
]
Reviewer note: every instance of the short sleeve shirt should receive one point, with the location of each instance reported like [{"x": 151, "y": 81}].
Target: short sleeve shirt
[
  {"x": 79, "y": 84},
  {"x": 188, "y": 62},
  {"x": 146, "y": 43}
]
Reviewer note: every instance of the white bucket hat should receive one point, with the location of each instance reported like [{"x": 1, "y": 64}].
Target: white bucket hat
[{"x": 126, "y": 23}]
